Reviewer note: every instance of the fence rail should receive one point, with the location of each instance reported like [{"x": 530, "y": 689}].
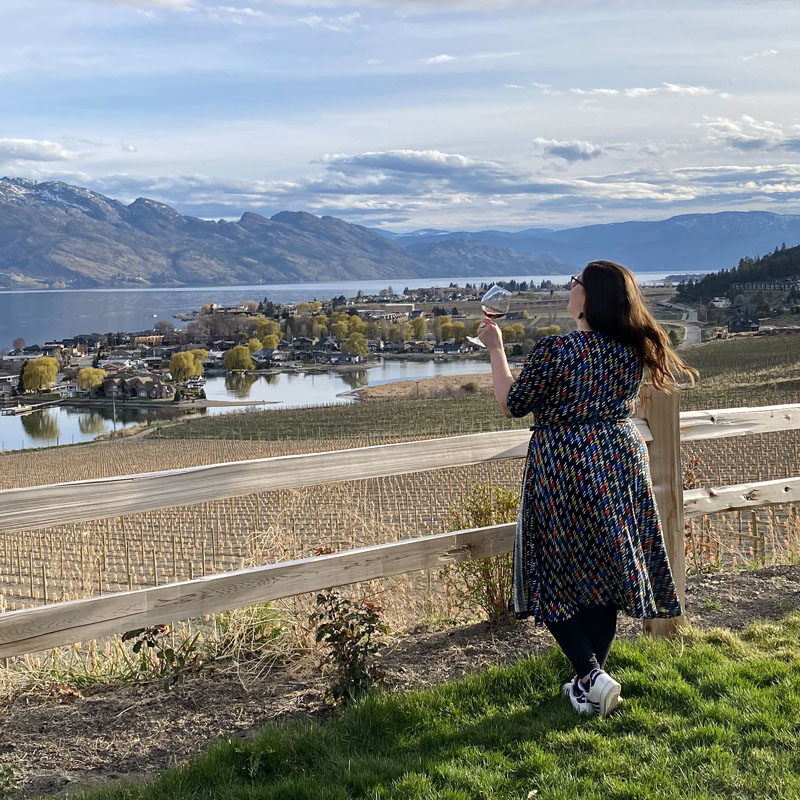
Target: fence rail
[{"x": 43, "y": 627}]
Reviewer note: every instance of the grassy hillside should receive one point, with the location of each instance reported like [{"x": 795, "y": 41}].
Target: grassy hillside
[{"x": 710, "y": 715}]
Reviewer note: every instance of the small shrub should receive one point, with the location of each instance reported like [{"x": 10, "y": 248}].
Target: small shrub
[
  {"x": 470, "y": 387},
  {"x": 157, "y": 657},
  {"x": 350, "y": 631},
  {"x": 484, "y": 582}
]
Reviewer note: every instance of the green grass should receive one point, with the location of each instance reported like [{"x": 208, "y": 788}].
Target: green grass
[{"x": 708, "y": 715}]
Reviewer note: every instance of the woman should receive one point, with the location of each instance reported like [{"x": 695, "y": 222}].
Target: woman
[{"x": 589, "y": 540}]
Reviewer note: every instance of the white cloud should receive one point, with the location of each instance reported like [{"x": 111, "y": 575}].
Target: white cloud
[
  {"x": 129, "y": 148},
  {"x": 513, "y": 86},
  {"x": 569, "y": 151},
  {"x": 748, "y": 133},
  {"x": 234, "y": 14},
  {"x": 422, "y": 187},
  {"x": 665, "y": 88},
  {"x": 33, "y": 150},
  {"x": 342, "y": 24},
  {"x": 441, "y": 59},
  {"x": 760, "y": 54},
  {"x": 495, "y": 56}
]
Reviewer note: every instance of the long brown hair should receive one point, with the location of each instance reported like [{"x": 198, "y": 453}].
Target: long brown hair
[{"x": 615, "y": 307}]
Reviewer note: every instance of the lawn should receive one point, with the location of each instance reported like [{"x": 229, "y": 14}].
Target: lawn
[{"x": 709, "y": 715}]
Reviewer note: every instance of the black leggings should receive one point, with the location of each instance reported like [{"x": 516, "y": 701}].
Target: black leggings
[{"x": 586, "y": 638}]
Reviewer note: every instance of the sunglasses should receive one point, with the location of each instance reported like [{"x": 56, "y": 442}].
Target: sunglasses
[{"x": 573, "y": 280}]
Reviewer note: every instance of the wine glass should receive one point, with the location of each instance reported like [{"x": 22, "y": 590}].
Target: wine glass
[{"x": 494, "y": 305}]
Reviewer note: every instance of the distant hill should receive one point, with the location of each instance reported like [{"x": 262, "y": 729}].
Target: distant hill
[
  {"x": 58, "y": 235},
  {"x": 784, "y": 262},
  {"x": 682, "y": 242}
]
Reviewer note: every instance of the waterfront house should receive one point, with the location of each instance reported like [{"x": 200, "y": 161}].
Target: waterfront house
[{"x": 134, "y": 387}]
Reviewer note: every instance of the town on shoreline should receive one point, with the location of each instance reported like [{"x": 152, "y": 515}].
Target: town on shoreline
[{"x": 168, "y": 365}]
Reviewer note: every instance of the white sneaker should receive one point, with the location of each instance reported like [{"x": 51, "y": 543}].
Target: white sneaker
[
  {"x": 566, "y": 686},
  {"x": 603, "y": 693},
  {"x": 577, "y": 696}
]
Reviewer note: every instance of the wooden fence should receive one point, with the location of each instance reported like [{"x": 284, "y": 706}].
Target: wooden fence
[{"x": 659, "y": 421}]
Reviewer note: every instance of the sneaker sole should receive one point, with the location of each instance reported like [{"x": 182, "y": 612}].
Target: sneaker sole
[{"x": 609, "y": 701}]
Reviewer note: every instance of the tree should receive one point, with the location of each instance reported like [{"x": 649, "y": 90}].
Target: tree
[
  {"x": 356, "y": 325},
  {"x": 459, "y": 331},
  {"x": 271, "y": 342},
  {"x": 39, "y": 373},
  {"x": 90, "y": 378},
  {"x": 238, "y": 359},
  {"x": 18, "y": 343},
  {"x": 267, "y": 327},
  {"x": 356, "y": 344},
  {"x": 515, "y": 332},
  {"x": 184, "y": 365},
  {"x": 200, "y": 355},
  {"x": 253, "y": 345},
  {"x": 164, "y": 326},
  {"x": 340, "y": 329},
  {"x": 419, "y": 328}
]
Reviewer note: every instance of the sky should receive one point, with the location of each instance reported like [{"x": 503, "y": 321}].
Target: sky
[{"x": 449, "y": 114}]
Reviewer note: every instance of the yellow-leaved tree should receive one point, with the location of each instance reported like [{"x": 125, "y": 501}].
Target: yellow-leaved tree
[
  {"x": 185, "y": 365},
  {"x": 90, "y": 378},
  {"x": 419, "y": 328},
  {"x": 270, "y": 342},
  {"x": 356, "y": 344},
  {"x": 254, "y": 344},
  {"x": 238, "y": 359},
  {"x": 39, "y": 373}
]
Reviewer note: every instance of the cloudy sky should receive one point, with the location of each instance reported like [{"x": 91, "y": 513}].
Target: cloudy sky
[{"x": 456, "y": 114}]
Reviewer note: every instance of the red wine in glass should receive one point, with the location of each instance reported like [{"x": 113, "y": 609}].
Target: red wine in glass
[{"x": 494, "y": 305}]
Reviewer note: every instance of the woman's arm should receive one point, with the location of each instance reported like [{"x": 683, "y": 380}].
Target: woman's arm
[{"x": 489, "y": 333}]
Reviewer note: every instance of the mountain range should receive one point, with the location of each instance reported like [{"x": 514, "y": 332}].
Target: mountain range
[
  {"x": 55, "y": 235},
  {"x": 687, "y": 241}
]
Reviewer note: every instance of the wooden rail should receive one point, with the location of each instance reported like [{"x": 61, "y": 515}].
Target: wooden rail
[
  {"x": 34, "y": 629},
  {"x": 81, "y": 501},
  {"x": 44, "y": 627}
]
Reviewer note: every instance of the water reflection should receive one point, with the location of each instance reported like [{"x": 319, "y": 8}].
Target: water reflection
[
  {"x": 271, "y": 379},
  {"x": 91, "y": 422},
  {"x": 239, "y": 384},
  {"x": 41, "y": 425},
  {"x": 355, "y": 379}
]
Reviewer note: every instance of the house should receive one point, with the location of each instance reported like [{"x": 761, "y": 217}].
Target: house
[
  {"x": 345, "y": 358},
  {"x": 8, "y": 384},
  {"x": 743, "y": 324},
  {"x": 134, "y": 387},
  {"x": 418, "y": 347},
  {"x": 328, "y": 344}
]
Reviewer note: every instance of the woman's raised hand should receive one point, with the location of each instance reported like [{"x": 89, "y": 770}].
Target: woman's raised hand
[{"x": 490, "y": 334}]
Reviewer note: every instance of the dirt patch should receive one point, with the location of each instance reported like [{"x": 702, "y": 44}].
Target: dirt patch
[{"x": 135, "y": 732}]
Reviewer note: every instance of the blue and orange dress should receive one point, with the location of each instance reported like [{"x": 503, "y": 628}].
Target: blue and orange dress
[{"x": 588, "y": 533}]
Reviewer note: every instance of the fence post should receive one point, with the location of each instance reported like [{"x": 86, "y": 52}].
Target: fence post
[{"x": 662, "y": 412}]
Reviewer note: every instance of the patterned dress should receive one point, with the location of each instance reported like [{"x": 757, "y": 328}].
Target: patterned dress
[{"x": 589, "y": 533}]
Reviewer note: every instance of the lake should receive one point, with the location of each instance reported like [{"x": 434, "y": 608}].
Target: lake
[
  {"x": 39, "y": 316},
  {"x": 70, "y": 425},
  {"x": 45, "y": 315}
]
